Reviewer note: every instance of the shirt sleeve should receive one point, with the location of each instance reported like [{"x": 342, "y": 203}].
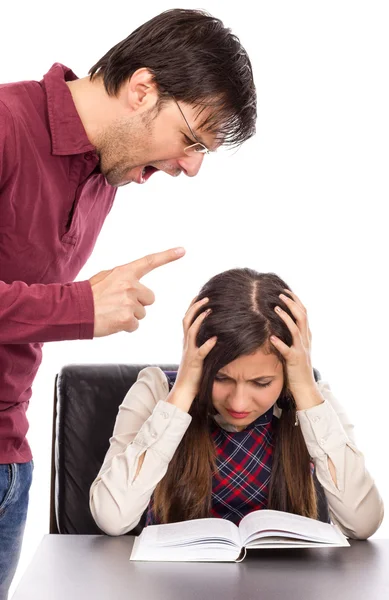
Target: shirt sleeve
[
  {"x": 45, "y": 313},
  {"x": 7, "y": 145},
  {"x": 145, "y": 425},
  {"x": 39, "y": 313},
  {"x": 354, "y": 502}
]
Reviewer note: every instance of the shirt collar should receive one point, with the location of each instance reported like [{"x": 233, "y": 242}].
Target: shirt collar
[{"x": 68, "y": 135}]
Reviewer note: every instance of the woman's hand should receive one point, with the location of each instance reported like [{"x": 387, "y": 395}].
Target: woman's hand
[
  {"x": 301, "y": 381},
  {"x": 188, "y": 378}
]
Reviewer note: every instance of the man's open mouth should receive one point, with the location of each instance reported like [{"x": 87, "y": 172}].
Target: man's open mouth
[{"x": 147, "y": 172}]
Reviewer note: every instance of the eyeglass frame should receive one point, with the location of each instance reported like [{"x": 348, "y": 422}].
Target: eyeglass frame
[{"x": 203, "y": 149}]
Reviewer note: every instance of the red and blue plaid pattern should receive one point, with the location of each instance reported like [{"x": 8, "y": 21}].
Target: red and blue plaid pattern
[{"x": 244, "y": 462}]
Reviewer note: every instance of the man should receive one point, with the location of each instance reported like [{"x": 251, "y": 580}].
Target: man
[{"x": 177, "y": 88}]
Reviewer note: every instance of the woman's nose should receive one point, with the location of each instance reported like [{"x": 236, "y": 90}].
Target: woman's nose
[{"x": 238, "y": 400}]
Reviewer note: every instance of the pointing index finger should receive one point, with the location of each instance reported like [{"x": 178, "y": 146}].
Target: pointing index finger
[{"x": 148, "y": 263}]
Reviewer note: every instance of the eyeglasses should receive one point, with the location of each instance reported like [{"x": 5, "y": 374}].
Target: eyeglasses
[{"x": 198, "y": 147}]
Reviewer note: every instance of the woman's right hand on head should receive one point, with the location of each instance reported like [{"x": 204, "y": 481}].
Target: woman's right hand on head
[{"x": 189, "y": 374}]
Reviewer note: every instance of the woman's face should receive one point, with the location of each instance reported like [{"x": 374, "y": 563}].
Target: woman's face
[{"x": 247, "y": 387}]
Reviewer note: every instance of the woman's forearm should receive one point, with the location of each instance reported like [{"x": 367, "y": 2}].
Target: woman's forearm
[
  {"x": 130, "y": 473},
  {"x": 181, "y": 397}
]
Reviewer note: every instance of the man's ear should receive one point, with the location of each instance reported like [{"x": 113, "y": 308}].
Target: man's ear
[{"x": 141, "y": 93}]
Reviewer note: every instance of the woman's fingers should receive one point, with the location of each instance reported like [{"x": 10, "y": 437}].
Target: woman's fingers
[
  {"x": 192, "y": 310},
  {"x": 301, "y": 305},
  {"x": 194, "y": 328},
  {"x": 299, "y": 340},
  {"x": 299, "y": 312},
  {"x": 296, "y": 309},
  {"x": 293, "y": 328},
  {"x": 206, "y": 348},
  {"x": 281, "y": 346},
  {"x": 295, "y": 298},
  {"x": 193, "y": 301},
  {"x": 300, "y": 331}
]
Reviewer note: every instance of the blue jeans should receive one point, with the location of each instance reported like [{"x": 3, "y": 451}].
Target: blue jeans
[{"x": 15, "y": 482}]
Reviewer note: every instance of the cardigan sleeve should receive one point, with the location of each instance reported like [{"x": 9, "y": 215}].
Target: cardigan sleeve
[
  {"x": 146, "y": 425},
  {"x": 354, "y": 502}
]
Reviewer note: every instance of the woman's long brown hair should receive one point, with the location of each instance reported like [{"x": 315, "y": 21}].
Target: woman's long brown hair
[{"x": 243, "y": 318}]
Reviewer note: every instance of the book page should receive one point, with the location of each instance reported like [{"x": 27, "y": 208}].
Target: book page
[
  {"x": 291, "y": 544},
  {"x": 264, "y": 523},
  {"x": 197, "y": 531},
  {"x": 196, "y": 553}
]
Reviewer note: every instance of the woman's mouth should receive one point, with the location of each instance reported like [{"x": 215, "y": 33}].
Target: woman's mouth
[{"x": 238, "y": 415}]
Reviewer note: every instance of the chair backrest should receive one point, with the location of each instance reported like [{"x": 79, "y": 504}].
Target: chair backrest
[{"x": 86, "y": 403}]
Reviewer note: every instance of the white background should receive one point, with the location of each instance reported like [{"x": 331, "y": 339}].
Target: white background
[{"x": 305, "y": 198}]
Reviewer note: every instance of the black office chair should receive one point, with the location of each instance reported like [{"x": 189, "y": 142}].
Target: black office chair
[{"x": 86, "y": 403}]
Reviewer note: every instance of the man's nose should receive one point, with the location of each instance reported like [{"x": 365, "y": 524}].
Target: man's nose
[{"x": 191, "y": 165}]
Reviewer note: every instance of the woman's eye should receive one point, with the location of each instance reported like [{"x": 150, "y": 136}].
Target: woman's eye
[
  {"x": 256, "y": 383},
  {"x": 262, "y": 385}
]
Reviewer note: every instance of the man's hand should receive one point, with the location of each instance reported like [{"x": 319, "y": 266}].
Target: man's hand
[{"x": 120, "y": 298}]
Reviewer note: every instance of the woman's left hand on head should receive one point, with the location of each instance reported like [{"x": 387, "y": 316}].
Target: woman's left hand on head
[{"x": 301, "y": 381}]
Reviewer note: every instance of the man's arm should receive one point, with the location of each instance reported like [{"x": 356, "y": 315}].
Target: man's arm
[
  {"x": 45, "y": 313},
  {"x": 38, "y": 313},
  {"x": 110, "y": 302},
  {"x": 7, "y": 145}
]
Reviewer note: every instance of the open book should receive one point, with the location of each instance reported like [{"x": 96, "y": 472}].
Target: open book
[{"x": 222, "y": 540}]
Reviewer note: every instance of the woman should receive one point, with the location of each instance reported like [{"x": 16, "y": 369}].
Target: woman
[{"x": 242, "y": 426}]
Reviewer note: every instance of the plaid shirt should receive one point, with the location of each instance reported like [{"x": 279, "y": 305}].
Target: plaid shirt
[{"x": 244, "y": 462}]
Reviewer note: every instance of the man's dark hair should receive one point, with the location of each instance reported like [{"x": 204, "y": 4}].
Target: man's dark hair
[{"x": 195, "y": 59}]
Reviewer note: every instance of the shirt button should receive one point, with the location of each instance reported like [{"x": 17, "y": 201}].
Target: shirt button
[
  {"x": 153, "y": 434},
  {"x": 164, "y": 415},
  {"x": 323, "y": 441},
  {"x": 316, "y": 419}
]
